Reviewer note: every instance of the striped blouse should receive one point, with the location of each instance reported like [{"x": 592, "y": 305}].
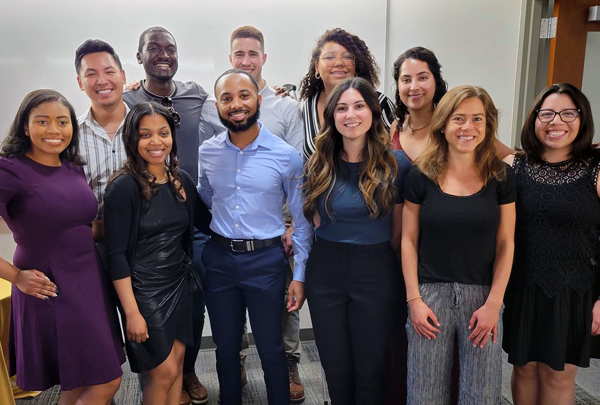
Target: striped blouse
[{"x": 311, "y": 119}]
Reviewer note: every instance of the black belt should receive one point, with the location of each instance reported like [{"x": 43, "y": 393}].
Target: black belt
[{"x": 244, "y": 245}]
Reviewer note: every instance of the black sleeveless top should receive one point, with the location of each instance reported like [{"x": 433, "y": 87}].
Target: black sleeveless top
[{"x": 557, "y": 241}]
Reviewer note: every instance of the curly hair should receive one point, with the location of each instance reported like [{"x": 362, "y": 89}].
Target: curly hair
[
  {"x": 433, "y": 161},
  {"x": 17, "y": 143},
  {"x": 427, "y": 56},
  {"x": 135, "y": 165},
  {"x": 379, "y": 167},
  {"x": 366, "y": 66},
  {"x": 582, "y": 145}
]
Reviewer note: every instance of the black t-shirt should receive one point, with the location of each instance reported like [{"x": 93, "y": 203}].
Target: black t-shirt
[{"x": 457, "y": 235}]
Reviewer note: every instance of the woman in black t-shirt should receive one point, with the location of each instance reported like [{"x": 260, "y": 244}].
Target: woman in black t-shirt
[{"x": 457, "y": 250}]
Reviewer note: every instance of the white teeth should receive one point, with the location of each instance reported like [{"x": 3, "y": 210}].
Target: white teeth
[
  {"x": 466, "y": 138},
  {"x": 53, "y": 141},
  {"x": 155, "y": 152},
  {"x": 353, "y": 125},
  {"x": 104, "y": 91},
  {"x": 556, "y": 134}
]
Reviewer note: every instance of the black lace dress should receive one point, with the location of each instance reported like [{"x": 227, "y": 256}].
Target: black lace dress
[{"x": 555, "y": 279}]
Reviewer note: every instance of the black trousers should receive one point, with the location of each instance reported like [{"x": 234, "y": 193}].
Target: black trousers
[{"x": 353, "y": 293}]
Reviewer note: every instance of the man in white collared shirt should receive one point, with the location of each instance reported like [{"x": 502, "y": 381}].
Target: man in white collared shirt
[
  {"x": 282, "y": 116},
  {"x": 101, "y": 76}
]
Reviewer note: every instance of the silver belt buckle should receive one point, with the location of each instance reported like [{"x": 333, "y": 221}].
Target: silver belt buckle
[{"x": 233, "y": 247}]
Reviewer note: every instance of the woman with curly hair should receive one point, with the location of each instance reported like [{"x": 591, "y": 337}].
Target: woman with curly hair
[
  {"x": 337, "y": 55},
  {"x": 420, "y": 87},
  {"x": 63, "y": 330},
  {"x": 354, "y": 196},
  {"x": 151, "y": 208},
  {"x": 458, "y": 229}
]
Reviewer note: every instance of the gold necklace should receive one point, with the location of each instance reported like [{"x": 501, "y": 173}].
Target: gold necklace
[{"x": 163, "y": 181}]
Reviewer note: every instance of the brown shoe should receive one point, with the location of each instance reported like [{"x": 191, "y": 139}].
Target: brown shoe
[
  {"x": 197, "y": 392},
  {"x": 296, "y": 387},
  {"x": 185, "y": 398}
]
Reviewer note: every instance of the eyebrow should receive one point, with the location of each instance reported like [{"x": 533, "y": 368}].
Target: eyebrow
[
  {"x": 148, "y": 129},
  {"x": 462, "y": 115},
  {"x": 47, "y": 116},
  {"x": 356, "y": 102},
  {"x": 420, "y": 73}
]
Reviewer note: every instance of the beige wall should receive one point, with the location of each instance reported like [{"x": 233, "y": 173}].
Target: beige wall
[{"x": 7, "y": 244}]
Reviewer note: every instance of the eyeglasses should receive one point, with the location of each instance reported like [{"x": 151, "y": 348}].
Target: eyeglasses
[
  {"x": 331, "y": 59},
  {"x": 167, "y": 102},
  {"x": 568, "y": 115}
]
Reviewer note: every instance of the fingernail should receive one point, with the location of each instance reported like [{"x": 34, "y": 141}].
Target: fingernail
[
  {"x": 46, "y": 298},
  {"x": 54, "y": 295},
  {"x": 57, "y": 291}
]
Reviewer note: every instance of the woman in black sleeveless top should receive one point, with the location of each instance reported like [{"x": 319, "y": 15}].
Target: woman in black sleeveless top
[{"x": 552, "y": 315}]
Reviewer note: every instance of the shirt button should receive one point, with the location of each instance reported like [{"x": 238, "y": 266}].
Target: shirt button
[
  {"x": 237, "y": 225},
  {"x": 239, "y": 170},
  {"x": 237, "y": 207},
  {"x": 238, "y": 187},
  {"x": 241, "y": 152}
]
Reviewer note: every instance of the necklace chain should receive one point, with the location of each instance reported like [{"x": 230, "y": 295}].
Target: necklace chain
[{"x": 416, "y": 129}]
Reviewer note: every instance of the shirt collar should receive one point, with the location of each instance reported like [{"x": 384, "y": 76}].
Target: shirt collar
[
  {"x": 264, "y": 139},
  {"x": 88, "y": 119}
]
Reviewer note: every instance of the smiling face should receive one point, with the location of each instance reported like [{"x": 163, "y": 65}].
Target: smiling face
[
  {"x": 353, "y": 118},
  {"x": 238, "y": 102},
  {"x": 50, "y": 130},
  {"x": 335, "y": 64},
  {"x": 465, "y": 128},
  {"x": 557, "y": 135},
  {"x": 155, "y": 141},
  {"x": 101, "y": 79},
  {"x": 247, "y": 54},
  {"x": 416, "y": 85},
  {"x": 159, "y": 56}
]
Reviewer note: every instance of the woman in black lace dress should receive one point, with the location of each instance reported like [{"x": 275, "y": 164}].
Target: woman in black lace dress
[{"x": 552, "y": 314}]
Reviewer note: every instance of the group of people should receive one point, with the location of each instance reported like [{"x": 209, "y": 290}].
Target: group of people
[{"x": 410, "y": 212}]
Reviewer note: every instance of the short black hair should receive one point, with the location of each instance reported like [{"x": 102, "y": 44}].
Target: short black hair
[
  {"x": 149, "y": 30},
  {"x": 236, "y": 72},
  {"x": 95, "y": 46}
]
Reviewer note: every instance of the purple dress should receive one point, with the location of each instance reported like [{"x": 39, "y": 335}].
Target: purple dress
[{"x": 73, "y": 339}]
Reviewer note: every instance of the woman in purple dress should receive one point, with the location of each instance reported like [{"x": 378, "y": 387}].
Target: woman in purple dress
[{"x": 62, "y": 329}]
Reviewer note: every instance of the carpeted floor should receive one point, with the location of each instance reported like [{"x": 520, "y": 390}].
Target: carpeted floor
[{"x": 588, "y": 382}]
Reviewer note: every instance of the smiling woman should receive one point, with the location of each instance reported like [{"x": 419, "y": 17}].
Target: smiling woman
[
  {"x": 151, "y": 208},
  {"x": 457, "y": 249},
  {"x": 62, "y": 328},
  {"x": 337, "y": 56}
]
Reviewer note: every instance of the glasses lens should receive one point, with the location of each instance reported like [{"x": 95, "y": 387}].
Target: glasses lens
[
  {"x": 176, "y": 117},
  {"x": 546, "y": 115},
  {"x": 167, "y": 102},
  {"x": 568, "y": 115}
]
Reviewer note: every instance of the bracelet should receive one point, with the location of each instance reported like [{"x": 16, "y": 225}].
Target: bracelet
[{"x": 413, "y": 298}]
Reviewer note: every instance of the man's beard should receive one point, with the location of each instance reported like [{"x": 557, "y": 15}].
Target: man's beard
[{"x": 243, "y": 126}]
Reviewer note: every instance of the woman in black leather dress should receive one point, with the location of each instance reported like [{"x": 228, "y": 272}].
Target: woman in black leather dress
[{"x": 150, "y": 212}]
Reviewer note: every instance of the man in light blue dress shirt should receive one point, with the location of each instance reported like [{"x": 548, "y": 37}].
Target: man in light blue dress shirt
[{"x": 246, "y": 175}]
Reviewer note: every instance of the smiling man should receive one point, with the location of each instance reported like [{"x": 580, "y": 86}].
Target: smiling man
[
  {"x": 101, "y": 76},
  {"x": 246, "y": 174},
  {"x": 283, "y": 117},
  {"x": 158, "y": 54}
]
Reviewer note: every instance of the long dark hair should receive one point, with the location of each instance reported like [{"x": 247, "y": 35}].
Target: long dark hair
[
  {"x": 17, "y": 143},
  {"x": 364, "y": 61},
  {"x": 379, "y": 167},
  {"x": 582, "y": 145},
  {"x": 424, "y": 55},
  {"x": 135, "y": 165}
]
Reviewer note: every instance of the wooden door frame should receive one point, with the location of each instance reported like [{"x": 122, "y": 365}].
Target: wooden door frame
[{"x": 567, "y": 49}]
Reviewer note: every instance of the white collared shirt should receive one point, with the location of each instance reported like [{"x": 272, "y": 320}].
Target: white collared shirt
[{"x": 102, "y": 155}]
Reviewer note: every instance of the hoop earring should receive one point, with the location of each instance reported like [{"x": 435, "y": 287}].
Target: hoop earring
[{"x": 317, "y": 75}]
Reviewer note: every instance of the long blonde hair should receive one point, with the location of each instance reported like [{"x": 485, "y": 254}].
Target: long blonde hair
[
  {"x": 434, "y": 160},
  {"x": 379, "y": 167}
]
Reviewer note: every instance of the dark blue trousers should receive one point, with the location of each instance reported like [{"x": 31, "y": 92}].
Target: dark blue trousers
[
  {"x": 234, "y": 282},
  {"x": 191, "y": 352}
]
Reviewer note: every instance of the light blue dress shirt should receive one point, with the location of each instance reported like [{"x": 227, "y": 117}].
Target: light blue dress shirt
[{"x": 246, "y": 190}]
